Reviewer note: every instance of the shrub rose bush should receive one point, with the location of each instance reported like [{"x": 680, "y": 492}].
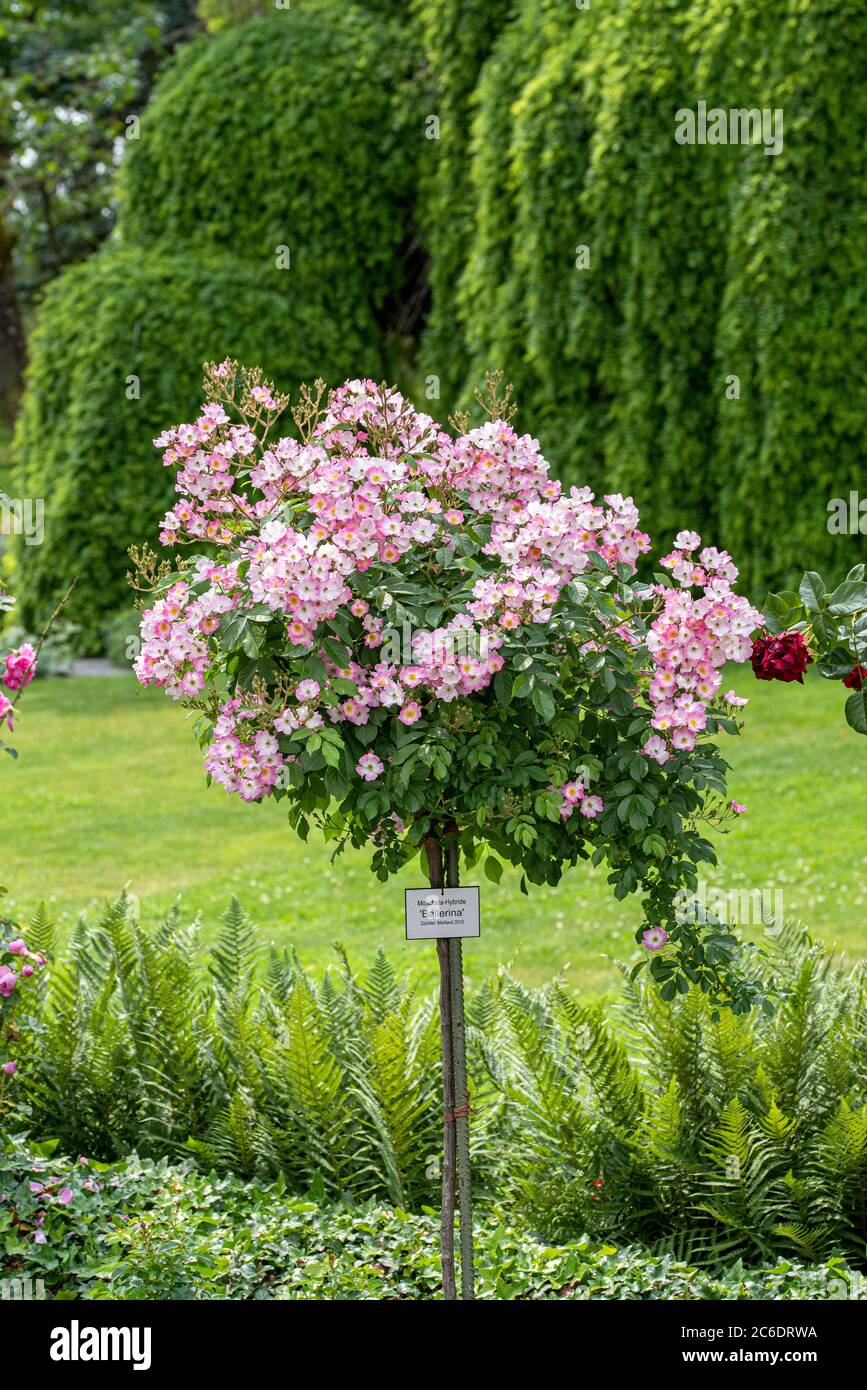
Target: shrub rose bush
[{"x": 393, "y": 627}]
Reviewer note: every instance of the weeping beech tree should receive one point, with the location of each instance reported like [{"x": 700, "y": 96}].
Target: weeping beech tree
[
  {"x": 680, "y": 320},
  {"x": 420, "y": 643}
]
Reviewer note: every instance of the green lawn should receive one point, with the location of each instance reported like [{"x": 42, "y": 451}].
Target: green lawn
[{"x": 108, "y": 789}]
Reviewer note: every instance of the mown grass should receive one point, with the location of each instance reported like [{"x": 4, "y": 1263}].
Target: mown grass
[{"x": 108, "y": 790}]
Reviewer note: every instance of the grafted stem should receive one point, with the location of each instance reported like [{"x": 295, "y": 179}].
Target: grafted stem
[
  {"x": 462, "y": 1098},
  {"x": 434, "y": 851}
]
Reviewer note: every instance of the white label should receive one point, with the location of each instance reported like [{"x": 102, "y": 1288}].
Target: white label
[{"x": 432, "y": 912}]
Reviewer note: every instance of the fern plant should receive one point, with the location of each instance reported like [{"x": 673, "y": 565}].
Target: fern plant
[
  {"x": 711, "y": 1138},
  {"x": 717, "y": 1138}
]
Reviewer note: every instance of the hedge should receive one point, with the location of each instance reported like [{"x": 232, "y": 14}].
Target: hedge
[
  {"x": 287, "y": 131},
  {"x": 456, "y": 36},
  {"x": 87, "y": 449},
  {"x": 307, "y": 128},
  {"x": 705, "y": 262},
  {"x": 520, "y": 290},
  {"x": 794, "y": 318},
  {"x": 614, "y": 358}
]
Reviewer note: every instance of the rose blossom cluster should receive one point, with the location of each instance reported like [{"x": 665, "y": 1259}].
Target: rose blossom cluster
[
  {"x": 18, "y": 671},
  {"x": 174, "y": 652},
  {"x": 298, "y": 575},
  {"x": 574, "y": 797},
  {"x": 243, "y": 758},
  {"x": 546, "y": 544},
  {"x": 448, "y": 662},
  {"x": 376, "y": 483},
  {"x": 691, "y": 640}
]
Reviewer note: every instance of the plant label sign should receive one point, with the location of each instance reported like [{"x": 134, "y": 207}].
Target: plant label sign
[{"x": 433, "y": 912}]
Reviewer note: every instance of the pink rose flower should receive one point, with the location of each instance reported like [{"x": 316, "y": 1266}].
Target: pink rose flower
[
  {"x": 369, "y": 766},
  {"x": 20, "y": 667},
  {"x": 654, "y": 938}
]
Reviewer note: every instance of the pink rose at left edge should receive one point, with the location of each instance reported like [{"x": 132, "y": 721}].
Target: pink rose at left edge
[{"x": 20, "y": 667}]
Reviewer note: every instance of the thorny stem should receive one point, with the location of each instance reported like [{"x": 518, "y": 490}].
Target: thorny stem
[
  {"x": 46, "y": 630},
  {"x": 462, "y": 1097},
  {"x": 434, "y": 851}
]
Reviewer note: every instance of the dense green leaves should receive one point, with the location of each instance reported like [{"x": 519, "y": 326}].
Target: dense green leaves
[
  {"x": 287, "y": 132},
  {"x": 153, "y": 1231}
]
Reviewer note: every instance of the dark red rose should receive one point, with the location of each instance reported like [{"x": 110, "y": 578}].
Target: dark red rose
[
  {"x": 783, "y": 657},
  {"x": 856, "y": 678}
]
